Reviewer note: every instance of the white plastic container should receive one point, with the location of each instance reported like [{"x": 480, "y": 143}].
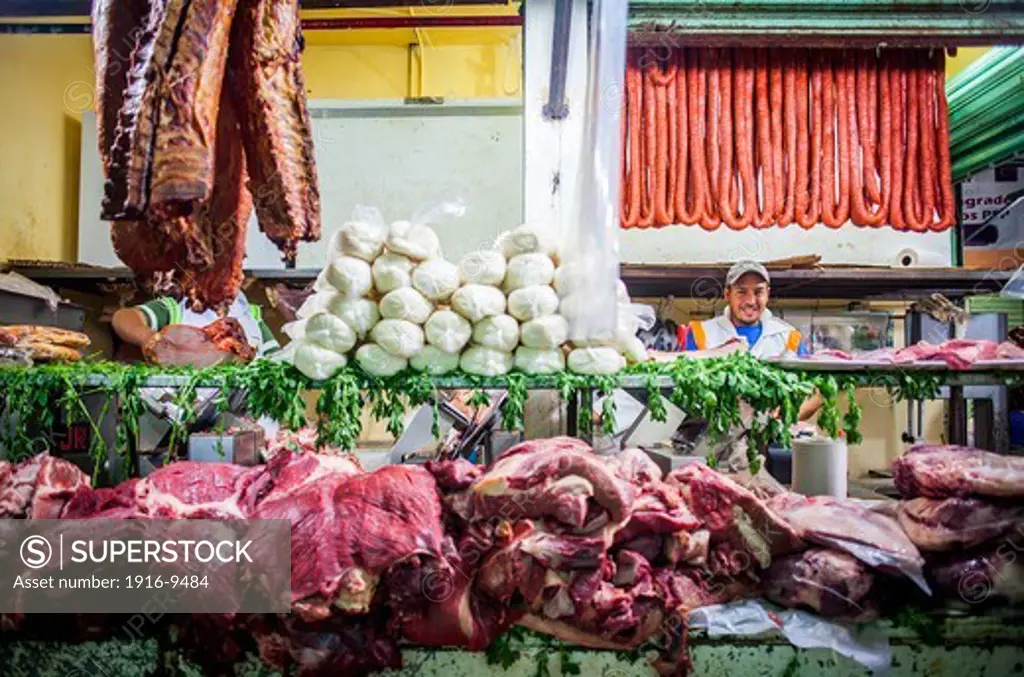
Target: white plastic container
[{"x": 820, "y": 467}]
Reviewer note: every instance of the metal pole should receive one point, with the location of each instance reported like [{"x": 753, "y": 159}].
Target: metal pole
[{"x": 556, "y": 107}]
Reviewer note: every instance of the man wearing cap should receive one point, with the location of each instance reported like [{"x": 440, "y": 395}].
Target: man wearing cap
[{"x": 746, "y": 316}]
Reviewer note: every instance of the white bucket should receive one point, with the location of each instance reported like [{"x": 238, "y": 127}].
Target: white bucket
[{"x": 819, "y": 467}]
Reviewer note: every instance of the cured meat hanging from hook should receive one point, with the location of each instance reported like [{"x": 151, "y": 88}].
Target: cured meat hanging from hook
[
  {"x": 947, "y": 203},
  {"x": 667, "y": 144},
  {"x": 650, "y": 149},
  {"x": 765, "y": 217},
  {"x": 691, "y": 180},
  {"x": 712, "y": 67},
  {"x": 270, "y": 94}
]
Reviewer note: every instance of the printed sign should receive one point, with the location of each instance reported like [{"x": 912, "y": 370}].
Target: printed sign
[{"x": 128, "y": 566}]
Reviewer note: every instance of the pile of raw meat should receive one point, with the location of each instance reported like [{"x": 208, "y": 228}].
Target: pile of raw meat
[
  {"x": 759, "y": 137},
  {"x": 958, "y": 354},
  {"x": 202, "y": 113},
  {"x": 964, "y": 508},
  {"x": 389, "y": 300},
  {"x": 603, "y": 552}
]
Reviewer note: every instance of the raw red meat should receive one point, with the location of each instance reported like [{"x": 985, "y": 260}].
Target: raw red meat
[
  {"x": 939, "y": 471},
  {"x": 38, "y": 488},
  {"x": 558, "y": 478},
  {"x": 227, "y": 335},
  {"x": 734, "y": 517},
  {"x": 195, "y": 490},
  {"x": 363, "y": 525},
  {"x": 866, "y": 534},
  {"x": 831, "y": 583},
  {"x": 962, "y": 353},
  {"x": 956, "y": 523},
  {"x": 989, "y": 574},
  {"x": 1009, "y": 350}
]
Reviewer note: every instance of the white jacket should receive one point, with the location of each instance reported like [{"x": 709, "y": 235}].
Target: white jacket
[{"x": 777, "y": 336}]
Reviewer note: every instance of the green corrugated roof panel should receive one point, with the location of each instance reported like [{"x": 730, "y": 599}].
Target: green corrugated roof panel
[
  {"x": 835, "y": 22},
  {"x": 986, "y": 111},
  {"x": 994, "y": 303}
]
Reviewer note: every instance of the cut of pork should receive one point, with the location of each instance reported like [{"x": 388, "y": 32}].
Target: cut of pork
[{"x": 939, "y": 471}]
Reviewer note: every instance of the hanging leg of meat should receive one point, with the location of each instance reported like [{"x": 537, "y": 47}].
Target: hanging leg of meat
[
  {"x": 156, "y": 258},
  {"x": 152, "y": 44},
  {"x": 183, "y": 155},
  {"x": 223, "y": 219},
  {"x": 269, "y": 89}
]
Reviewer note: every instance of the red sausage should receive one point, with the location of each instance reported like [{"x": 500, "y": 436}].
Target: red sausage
[
  {"x": 845, "y": 91},
  {"x": 860, "y": 212},
  {"x": 947, "y": 206},
  {"x": 712, "y": 63},
  {"x": 650, "y": 148},
  {"x": 897, "y": 83},
  {"x": 777, "y": 60},
  {"x": 926, "y": 107},
  {"x": 766, "y": 216},
  {"x": 866, "y": 102},
  {"x": 725, "y": 133},
  {"x": 743, "y": 114},
  {"x": 664, "y": 105},
  {"x": 828, "y": 169},
  {"x": 689, "y": 87},
  {"x": 790, "y": 151},
  {"x": 911, "y": 210}
]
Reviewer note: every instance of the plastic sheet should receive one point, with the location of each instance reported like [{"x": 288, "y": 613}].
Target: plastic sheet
[
  {"x": 590, "y": 246},
  {"x": 863, "y": 644}
]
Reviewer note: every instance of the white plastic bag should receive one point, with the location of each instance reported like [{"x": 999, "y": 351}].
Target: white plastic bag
[
  {"x": 483, "y": 267},
  {"x": 359, "y": 314},
  {"x": 477, "y": 301},
  {"x": 590, "y": 245},
  {"x": 546, "y": 332},
  {"x": 527, "y": 239},
  {"x": 448, "y": 331},
  {"x": 317, "y": 302},
  {"x": 529, "y": 303},
  {"x": 330, "y": 332},
  {"x": 485, "y": 361},
  {"x": 527, "y": 270},
  {"x": 436, "y": 279},
  {"x": 362, "y": 237},
  {"x": 348, "y": 275},
  {"x": 632, "y": 349},
  {"x": 406, "y": 303},
  {"x": 399, "y": 337},
  {"x": 601, "y": 360},
  {"x": 433, "y": 361},
  {"x": 317, "y": 362},
  {"x": 500, "y": 332},
  {"x": 376, "y": 361},
  {"x": 539, "y": 361},
  {"x": 417, "y": 241},
  {"x": 392, "y": 271}
]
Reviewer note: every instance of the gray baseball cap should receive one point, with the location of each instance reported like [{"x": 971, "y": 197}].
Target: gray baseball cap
[{"x": 741, "y": 268}]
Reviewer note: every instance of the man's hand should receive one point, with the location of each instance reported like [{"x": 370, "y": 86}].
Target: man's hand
[{"x": 130, "y": 324}]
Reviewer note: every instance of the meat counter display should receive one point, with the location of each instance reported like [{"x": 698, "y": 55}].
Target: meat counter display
[{"x": 601, "y": 552}]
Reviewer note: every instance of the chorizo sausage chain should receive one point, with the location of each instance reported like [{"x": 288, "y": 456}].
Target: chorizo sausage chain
[{"x": 772, "y": 137}]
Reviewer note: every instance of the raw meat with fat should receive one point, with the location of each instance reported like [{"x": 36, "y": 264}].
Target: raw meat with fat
[{"x": 939, "y": 471}]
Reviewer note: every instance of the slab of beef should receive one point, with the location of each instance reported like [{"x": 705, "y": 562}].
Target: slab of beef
[
  {"x": 734, "y": 517},
  {"x": 993, "y": 573},
  {"x": 559, "y": 479},
  {"x": 266, "y": 77},
  {"x": 348, "y": 530},
  {"x": 868, "y": 535},
  {"x": 104, "y": 503},
  {"x": 828, "y": 582},
  {"x": 178, "y": 345},
  {"x": 199, "y": 490},
  {"x": 187, "y": 131},
  {"x": 153, "y": 41},
  {"x": 39, "y": 487},
  {"x": 222, "y": 220},
  {"x": 939, "y": 471},
  {"x": 957, "y": 523}
]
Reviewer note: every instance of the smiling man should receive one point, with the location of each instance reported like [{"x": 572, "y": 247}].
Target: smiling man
[{"x": 746, "y": 316}]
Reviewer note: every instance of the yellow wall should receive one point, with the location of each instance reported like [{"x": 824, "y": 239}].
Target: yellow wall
[{"x": 46, "y": 82}]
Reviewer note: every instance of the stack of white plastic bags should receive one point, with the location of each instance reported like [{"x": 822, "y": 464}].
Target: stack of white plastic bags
[{"x": 389, "y": 300}]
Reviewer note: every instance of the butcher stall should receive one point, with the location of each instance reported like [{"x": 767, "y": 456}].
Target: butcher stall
[{"x": 473, "y": 405}]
